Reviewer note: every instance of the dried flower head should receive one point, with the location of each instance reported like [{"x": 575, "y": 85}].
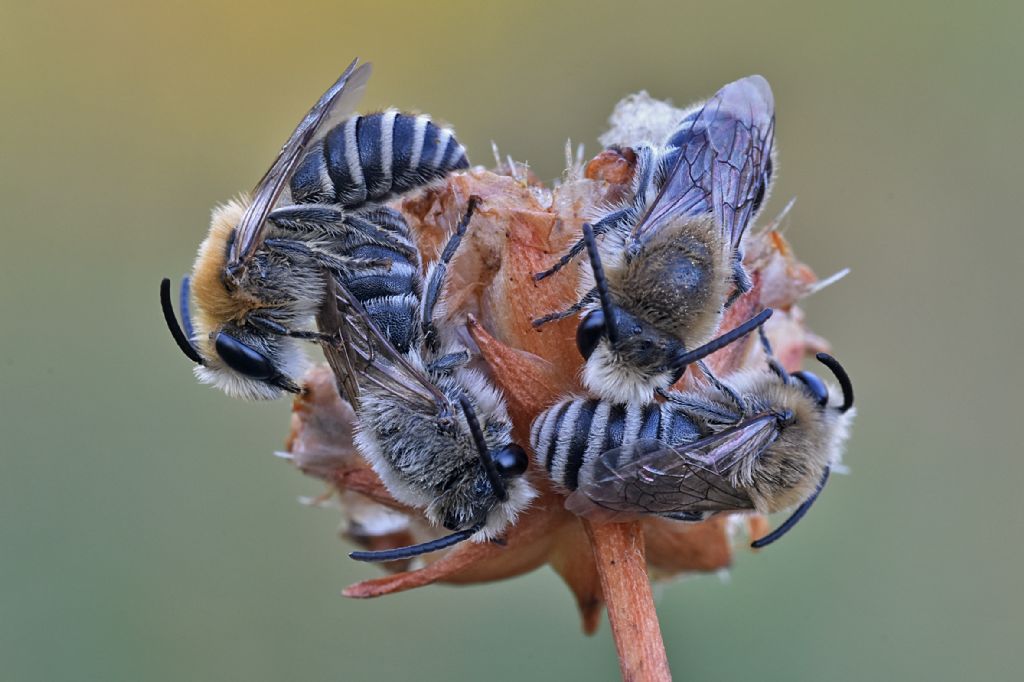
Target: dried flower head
[{"x": 520, "y": 228}]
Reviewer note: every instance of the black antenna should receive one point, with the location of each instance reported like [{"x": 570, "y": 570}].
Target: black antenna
[
  {"x": 724, "y": 340},
  {"x": 600, "y": 283},
  {"x": 773, "y": 364},
  {"x": 497, "y": 483},
  {"x": 416, "y": 550},
  {"x": 841, "y": 376},
  {"x": 184, "y": 343},
  {"x": 788, "y": 524}
]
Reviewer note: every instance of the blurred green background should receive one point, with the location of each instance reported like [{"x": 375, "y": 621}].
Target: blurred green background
[{"x": 147, "y": 533}]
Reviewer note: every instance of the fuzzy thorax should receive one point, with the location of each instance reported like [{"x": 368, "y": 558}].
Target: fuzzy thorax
[
  {"x": 212, "y": 303},
  {"x": 677, "y": 280}
]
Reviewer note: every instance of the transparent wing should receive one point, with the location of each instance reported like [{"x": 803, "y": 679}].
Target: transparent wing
[
  {"x": 690, "y": 479},
  {"x": 721, "y": 155},
  {"x": 337, "y": 102},
  {"x": 362, "y": 355}
]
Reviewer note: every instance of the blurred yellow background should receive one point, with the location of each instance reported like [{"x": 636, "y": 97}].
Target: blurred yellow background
[{"x": 146, "y": 532}]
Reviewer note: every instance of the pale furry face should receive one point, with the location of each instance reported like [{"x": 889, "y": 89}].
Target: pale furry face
[
  {"x": 288, "y": 360},
  {"x": 606, "y": 375}
]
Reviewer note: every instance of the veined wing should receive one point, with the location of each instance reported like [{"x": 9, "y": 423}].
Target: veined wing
[
  {"x": 721, "y": 154},
  {"x": 654, "y": 477},
  {"x": 363, "y": 355},
  {"x": 338, "y": 101}
]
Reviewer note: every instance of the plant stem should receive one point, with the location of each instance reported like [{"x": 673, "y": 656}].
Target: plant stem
[{"x": 621, "y": 563}]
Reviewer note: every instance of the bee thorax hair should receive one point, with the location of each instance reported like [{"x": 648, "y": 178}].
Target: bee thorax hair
[
  {"x": 678, "y": 281},
  {"x": 214, "y": 304}
]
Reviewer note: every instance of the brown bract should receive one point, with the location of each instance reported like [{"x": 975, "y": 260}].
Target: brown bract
[{"x": 520, "y": 229}]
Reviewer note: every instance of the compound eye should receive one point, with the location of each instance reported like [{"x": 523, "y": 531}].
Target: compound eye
[
  {"x": 511, "y": 461},
  {"x": 815, "y": 386},
  {"x": 243, "y": 359},
  {"x": 588, "y": 334}
]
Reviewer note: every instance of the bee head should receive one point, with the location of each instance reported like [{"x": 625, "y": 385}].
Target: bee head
[
  {"x": 816, "y": 389},
  {"x": 642, "y": 347},
  {"x": 628, "y": 368},
  {"x": 494, "y": 496},
  {"x": 239, "y": 361},
  {"x": 500, "y": 465}
]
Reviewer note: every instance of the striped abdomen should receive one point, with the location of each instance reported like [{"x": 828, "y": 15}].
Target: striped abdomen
[
  {"x": 374, "y": 157},
  {"x": 382, "y": 271},
  {"x": 573, "y": 432}
]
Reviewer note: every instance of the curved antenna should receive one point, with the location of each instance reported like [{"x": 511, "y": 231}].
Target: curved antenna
[
  {"x": 600, "y": 283},
  {"x": 497, "y": 484},
  {"x": 183, "y": 341},
  {"x": 841, "y": 376},
  {"x": 416, "y": 550},
  {"x": 724, "y": 340},
  {"x": 788, "y": 524}
]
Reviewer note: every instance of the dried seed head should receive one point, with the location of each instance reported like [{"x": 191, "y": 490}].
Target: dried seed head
[{"x": 521, "y": 228}]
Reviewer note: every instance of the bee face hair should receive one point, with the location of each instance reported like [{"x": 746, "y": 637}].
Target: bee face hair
[
  {"x": 607, "y": 374},
  {"x": 251, "y": 366}
]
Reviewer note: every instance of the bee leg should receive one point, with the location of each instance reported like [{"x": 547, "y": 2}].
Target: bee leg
[
  {"x": 326, "y": 260},
  {"x": 725, "y": 388},
  {"x": 438, "y": 274},
  {"x": 708, "y": 410},
  {"x": 587, "y": 299},
  {"x": 773, "y": 364},
  {"x": 272, "y": 327},
  {"x": 740, "y": 279},
  {"x": 449, "y": 362},
  {"x": 599, "y": 228},
  {"x": 306, "y": 217},
  {"x": 384, "y": 228}
]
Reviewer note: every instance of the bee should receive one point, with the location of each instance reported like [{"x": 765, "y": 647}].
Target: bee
[
  {"x": 670, "y": 261},
  {"x": 764, "y": 442},
  {"x": 260, "y": 275},
  {"x": 434, "y": 429}
]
